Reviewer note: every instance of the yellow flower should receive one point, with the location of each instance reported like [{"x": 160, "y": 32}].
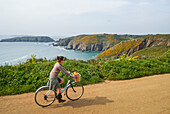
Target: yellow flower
[{"x": 135, "y": 57}]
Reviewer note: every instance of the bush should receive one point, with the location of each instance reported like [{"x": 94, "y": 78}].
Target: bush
[{"x": 29, "y": 76}]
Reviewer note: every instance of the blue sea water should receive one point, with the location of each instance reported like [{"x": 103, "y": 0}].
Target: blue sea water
[{"x": 14, "y": 52}]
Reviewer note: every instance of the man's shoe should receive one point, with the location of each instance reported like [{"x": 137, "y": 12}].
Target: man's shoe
[
  {"x": 61, "y": 100},
  {"x": 59, "y": 96}
]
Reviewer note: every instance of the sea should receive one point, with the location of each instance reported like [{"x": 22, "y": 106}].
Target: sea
[{"x": 13, "y": 53}]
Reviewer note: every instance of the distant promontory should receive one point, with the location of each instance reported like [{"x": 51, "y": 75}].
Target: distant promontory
[
  {"x": 94, "y": 42},
  {"x": 29, "y": 39},
  {"x": 112, "y": 46}
]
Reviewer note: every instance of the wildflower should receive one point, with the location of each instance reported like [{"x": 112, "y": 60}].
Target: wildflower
[{"x": 135, "y": 57}]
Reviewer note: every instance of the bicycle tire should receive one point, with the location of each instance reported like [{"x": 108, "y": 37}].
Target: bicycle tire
[
  {"x": 74, "y": 91},
  {"x": 44, "y": 97}
]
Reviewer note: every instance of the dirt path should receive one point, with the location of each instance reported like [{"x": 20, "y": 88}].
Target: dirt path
[{"x": 147, "y": 95}]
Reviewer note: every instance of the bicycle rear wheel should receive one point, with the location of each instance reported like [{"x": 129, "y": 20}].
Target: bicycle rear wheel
[
  {"x": 44, "y": 96},
  {"x": 74, "y": 91}
]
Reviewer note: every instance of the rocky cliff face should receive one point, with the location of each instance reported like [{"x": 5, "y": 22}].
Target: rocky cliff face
[
  {"x": 132, "y": 46},
  {"x": 63, "y": 42},
  {"x": 103, "y": 42},
  {"x": 94, "y": 42},
  {"x": 147, "y": 43},
  {"x": 93, "y": 47}
]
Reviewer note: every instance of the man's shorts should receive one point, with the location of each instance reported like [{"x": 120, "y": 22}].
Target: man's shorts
[{"x": 53, "y": 82}]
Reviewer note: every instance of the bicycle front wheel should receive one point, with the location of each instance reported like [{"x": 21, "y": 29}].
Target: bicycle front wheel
[
  {"x": 74, "y": 91},
  {"x": 44, "y": 96}
]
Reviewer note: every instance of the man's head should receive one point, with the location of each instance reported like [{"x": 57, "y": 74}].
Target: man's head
[{"x": 60, "y": 59}]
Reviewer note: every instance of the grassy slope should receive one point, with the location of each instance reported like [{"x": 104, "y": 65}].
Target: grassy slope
[
  {"x": 27, "y": 77},
  {"x": 125, "y": 45},
  {"x": 157, "y": 51},
  {"x": 119, "y": 48},
  {"x": 97, "y": 38}
]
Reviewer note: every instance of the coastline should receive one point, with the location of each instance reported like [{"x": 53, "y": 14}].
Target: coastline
[{"x": 14, "y": 52}]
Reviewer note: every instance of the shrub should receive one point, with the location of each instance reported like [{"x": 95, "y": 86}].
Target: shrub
[{"x": 27, "y": 77}]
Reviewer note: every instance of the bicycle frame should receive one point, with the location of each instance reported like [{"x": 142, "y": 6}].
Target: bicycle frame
[{"x": 67, "y": 85}]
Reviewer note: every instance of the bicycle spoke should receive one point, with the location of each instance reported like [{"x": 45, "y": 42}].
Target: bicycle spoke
[
  {"x": 75, "y": 91},
  {"x": 73, "y": 88},
  {"x": 45, "y": 97},
  {"x": 50, "y": 96},
  {"x": 42, "y": 93}
]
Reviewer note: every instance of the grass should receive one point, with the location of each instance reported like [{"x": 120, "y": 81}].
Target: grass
[
  {"x": 27, "y": 77},
  {"x": 157, "y": 51}
]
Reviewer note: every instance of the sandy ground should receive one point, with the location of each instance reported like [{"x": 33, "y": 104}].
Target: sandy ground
[{"x": 147, "y": 95}]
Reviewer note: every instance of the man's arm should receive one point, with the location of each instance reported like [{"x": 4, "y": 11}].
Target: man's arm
[{"x": 64, "y": 70}]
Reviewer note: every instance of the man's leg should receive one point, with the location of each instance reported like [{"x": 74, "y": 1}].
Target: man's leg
[
  {"x": 59, "y": 96},
  {"x": 62, "y": 80},
  {"x": 58, "y": 91}
]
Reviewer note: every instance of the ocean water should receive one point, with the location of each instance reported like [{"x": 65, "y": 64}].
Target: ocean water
[{"x": 14, "y": 52}]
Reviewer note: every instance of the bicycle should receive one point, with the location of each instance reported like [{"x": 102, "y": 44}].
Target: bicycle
[{"x": 45, "y": 97}]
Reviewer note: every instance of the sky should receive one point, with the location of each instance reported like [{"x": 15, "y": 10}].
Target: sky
[{"x": 74, "y": 17}]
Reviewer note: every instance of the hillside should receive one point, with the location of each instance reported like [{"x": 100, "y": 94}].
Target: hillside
[
  {"x": 27, "y": 77},
  {"x": 94, "y": 43},
  {"x": 152, "y": 43},
  {"x": 156, "y": 51},
  {"x": 29, "y": 39}
]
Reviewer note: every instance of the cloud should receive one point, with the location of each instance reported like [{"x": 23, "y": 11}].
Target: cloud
[
  {"x": 83, "y": 16},
  {"x": 59, "y": 7}
]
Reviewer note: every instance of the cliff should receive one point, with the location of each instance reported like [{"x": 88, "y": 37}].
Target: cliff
[
  {"x": 93, "y": 43},
  {"x": 29, "y": 39},
  {"x": 130, "y": 47}
]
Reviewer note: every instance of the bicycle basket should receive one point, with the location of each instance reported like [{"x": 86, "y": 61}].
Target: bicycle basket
[{"x": 77, "y": 76}]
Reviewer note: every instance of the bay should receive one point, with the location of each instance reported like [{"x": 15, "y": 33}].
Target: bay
[{"x": 14, "y": 52}]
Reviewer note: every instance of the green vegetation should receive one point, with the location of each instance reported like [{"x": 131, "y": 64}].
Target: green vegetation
[
  {"x": 157, "y": 51},
  {"x": 120, "y": 47},
  {"x": 158, "y": 42},
  {"x": 98, "y": 38},
  {"x": 27, "y": 77}
]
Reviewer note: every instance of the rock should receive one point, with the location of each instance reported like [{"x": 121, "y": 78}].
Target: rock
[
  {"x": 63, "y": 42},
  {"x": 129, "y": 47},
  {"x": 98, "y": 47},
  {"x": 147, "y": 43},
  {"x": 93, "y": 43}
]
